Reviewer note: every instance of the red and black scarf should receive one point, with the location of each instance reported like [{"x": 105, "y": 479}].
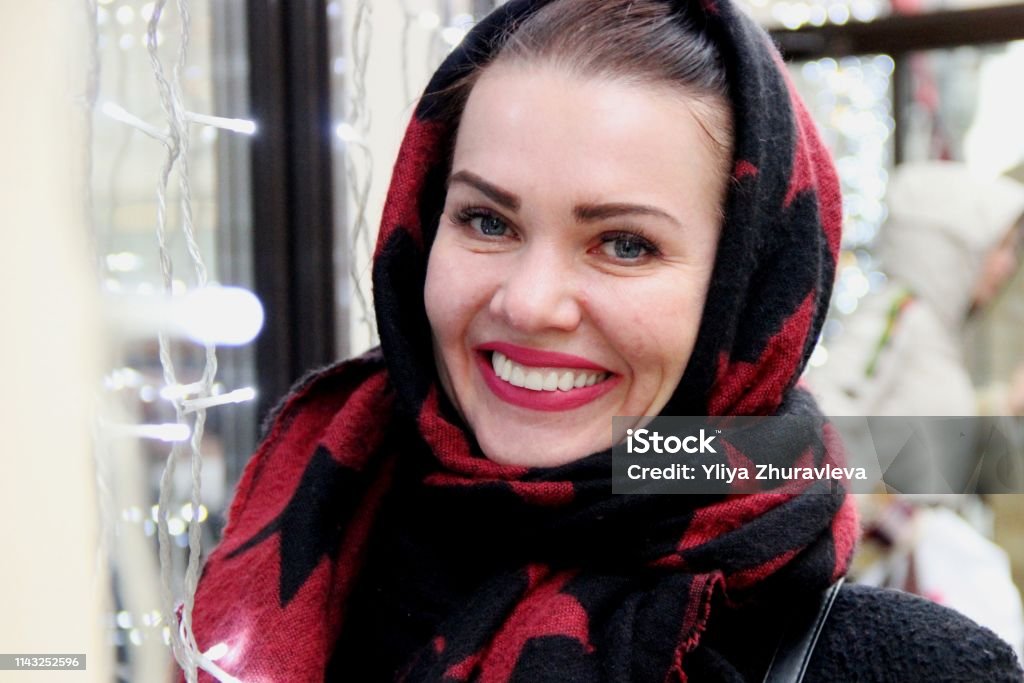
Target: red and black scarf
[{"x": 369, "y": 538}]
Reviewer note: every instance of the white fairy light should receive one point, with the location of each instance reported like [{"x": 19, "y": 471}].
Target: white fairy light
[
  {"x": 346, "y": 132},
  {"x": 453, "y": 35},
  {"x": 237, "y": 396},
  {"x": 119, "y": 113},
  {"x": 171, "y": 432},
  {"x": 175, "y": 392},
  {"x": 244, "y": 126},
  {"x": 229, "y": 316},
  {"x": 864, "y": 10},
  {"x": 119, "y": 378},
  {"x": 845, "y": 303},
  {"x": 216, "y": 652},
  {"x": 839, "y": 14},
  {"x": 125, "y": 15},
  {"x": 123, "y": 262},
  {"x": 186, "y": 513},
  {"x": 176, "y": 526},
  {"x": 428, "y": 20}
]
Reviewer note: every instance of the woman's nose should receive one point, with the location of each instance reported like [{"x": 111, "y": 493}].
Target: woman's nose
[{"x": 538, "y": 292}]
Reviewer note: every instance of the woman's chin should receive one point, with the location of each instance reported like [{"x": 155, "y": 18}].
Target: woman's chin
[
  {"x": 513, "y": 435},
  {"x": 524, "y": 452},
  {"x": 532, "y": 459}
]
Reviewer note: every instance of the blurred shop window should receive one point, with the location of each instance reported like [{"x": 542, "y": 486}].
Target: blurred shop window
[
  {"x": 374, "y": 86},
  {"x": 850, "y": 99},
  {"x": 954, "y": 104},
  {"x": 913, "y": 82},
  {"x": 878, "y": 108},
  {"x": 960, "y": 105},
  {"x": 136, "y": 429},
  {"x": 963, "y": 104}
]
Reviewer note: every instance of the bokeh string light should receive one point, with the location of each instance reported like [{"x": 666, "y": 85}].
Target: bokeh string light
[
  {"x": 191, "y": 400},
  {"x": 437, "y": 26},
  {"x": 144, "y": 309},
  {"x": 851, "y": 101},
  {"x": 352, "y": 133},
  {"x": 794, "y": 14}
]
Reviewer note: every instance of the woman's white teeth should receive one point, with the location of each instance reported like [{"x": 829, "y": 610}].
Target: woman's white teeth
[{"x": 543, "y": 379}]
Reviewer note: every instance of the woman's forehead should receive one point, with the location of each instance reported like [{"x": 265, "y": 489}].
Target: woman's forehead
[{"x": 540, "y": 127}]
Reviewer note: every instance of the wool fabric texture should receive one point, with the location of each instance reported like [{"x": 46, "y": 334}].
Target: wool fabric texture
[{"x": 489, "y": 572}]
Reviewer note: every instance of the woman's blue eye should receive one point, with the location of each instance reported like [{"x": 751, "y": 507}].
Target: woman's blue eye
[
  {"x": 492, "y": 226},
  {"x": 627, "y": 247}
]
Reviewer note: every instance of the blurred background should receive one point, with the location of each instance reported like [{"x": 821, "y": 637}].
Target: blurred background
[{"x": 293, "y": 113}]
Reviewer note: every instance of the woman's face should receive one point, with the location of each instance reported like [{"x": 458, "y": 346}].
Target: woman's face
[{"x": 571, "y": 264}]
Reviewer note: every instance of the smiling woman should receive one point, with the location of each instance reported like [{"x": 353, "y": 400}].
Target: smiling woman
[
  {"x": 600, "y": 209},
  {"x": 544, "y": 249}
]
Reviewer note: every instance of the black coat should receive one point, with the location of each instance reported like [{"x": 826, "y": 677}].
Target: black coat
[{"x": 872, "y": 635}]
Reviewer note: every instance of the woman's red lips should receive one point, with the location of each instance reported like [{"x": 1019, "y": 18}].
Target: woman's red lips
[
  {"x": 541, "y": 359},
  {"x": 534, "y": 399}
]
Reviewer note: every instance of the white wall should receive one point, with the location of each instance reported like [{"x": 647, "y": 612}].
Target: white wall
[{"x": 50, "y": 587}]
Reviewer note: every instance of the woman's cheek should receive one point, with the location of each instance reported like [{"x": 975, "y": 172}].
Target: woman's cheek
[
  {"x": 667, "y": 308},
  {"x": 662, "y": 332},
  {"x": 453, "y": 288},
  {"x": 435, "y": 288}
]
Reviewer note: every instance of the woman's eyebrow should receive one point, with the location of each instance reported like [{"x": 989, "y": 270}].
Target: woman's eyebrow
[
  {"x": 596, "y": 212},
  {"x": 493, "y": 192},
  {"x": 583, "y": 212}
]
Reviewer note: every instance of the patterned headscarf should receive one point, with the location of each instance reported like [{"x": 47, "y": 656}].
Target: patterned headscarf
[{"x": 369, "y": 510}]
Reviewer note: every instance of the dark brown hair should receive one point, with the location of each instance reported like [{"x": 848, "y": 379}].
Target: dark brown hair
[{"x": 649, "y": 42}]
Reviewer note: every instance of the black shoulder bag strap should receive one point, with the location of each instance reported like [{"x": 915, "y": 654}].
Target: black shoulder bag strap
[{"x": 793, "y": 654}]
